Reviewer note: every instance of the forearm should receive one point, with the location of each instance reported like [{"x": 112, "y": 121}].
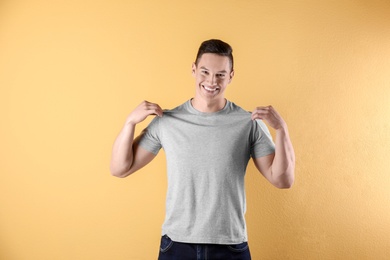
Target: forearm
[
  {"x": 283, "y": 164},
  {"x": 122, "y": 152}
]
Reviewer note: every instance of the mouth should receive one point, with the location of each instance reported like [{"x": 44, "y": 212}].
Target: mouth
[{"x": 210, "y": 89}]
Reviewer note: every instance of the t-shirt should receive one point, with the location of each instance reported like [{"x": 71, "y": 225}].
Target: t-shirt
[{"x": 207, "y": 155}]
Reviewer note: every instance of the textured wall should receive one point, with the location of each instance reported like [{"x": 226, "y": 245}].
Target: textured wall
[{"x": 70, "y": 72}]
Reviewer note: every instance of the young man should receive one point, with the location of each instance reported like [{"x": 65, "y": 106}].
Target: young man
[{"x": 208, "y": 142}]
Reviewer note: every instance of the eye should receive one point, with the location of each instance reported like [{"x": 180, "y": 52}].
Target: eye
[
  {"x": 220, "y": 75},
  {"x": 205, "y": 72}
]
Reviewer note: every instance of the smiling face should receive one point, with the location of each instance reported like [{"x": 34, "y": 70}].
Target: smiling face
[{"x": 212, "y": 75}]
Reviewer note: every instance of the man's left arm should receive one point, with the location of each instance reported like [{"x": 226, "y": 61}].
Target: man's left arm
[{"x": 277, "y": 168}]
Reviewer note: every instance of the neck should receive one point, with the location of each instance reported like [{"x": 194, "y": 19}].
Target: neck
[{"x": 206, "y": 106}]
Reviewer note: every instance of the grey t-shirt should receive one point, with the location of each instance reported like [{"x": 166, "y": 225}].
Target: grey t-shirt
[{"x": 207, "y": 155}]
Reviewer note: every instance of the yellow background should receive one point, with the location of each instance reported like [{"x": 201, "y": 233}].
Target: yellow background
[{"x": 71, "y": 71}]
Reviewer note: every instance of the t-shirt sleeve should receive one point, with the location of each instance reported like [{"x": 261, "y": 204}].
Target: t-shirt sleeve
[
  {"x": 262, "y": 143},
  {"x": 150, "y": 137}
]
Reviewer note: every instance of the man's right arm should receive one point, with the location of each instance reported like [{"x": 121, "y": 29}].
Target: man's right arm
[{"x": 127, "y": 156}]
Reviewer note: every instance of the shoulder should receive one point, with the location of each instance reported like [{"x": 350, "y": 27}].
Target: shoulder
[
  {"x": 234, "y": 108},
  {"x": 235, "y": 111},
  {"x": 179, "y": 110}
]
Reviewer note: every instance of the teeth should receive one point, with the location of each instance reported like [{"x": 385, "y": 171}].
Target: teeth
[{"x": 210, "y": 89}]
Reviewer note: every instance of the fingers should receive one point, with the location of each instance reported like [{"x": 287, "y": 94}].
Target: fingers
[
  {"x": 142, "y": 111},
  {"x": 152, "y": 108},
  {"x": 262, "y": 112},
  {"x": 270, "y": 115}
]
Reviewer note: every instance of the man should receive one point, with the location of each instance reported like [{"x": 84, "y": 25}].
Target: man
[{"x": 208, "y": 142}]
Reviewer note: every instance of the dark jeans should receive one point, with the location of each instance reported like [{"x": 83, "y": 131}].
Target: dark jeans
[{"x": 170, "y": 250}]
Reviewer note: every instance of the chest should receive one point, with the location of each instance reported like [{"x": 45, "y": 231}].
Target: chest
[{"x": 201, "y": 141}]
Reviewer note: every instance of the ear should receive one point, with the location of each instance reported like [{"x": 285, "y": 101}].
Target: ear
[
  {"x": 231, "y": 76},
  {"x": 193, "y": 69}
]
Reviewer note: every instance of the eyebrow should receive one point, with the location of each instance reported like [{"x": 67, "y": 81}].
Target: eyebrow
[{"x": 222, "y": 71}]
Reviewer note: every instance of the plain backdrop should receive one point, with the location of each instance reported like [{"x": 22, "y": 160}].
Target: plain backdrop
[{"x": 71, "y": 71}]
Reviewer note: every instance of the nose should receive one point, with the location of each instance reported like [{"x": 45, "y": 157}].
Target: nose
[{"x": 211, "y": 79}]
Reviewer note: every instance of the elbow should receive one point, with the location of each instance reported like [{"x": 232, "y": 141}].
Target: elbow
[
  {"x": 284, "y": 185},
  {"x": 120, "y": 173},
  {"x": 286, "y": 182}
]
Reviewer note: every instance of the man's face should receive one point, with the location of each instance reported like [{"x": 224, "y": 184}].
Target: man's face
[{"x": 212, "y": 75}]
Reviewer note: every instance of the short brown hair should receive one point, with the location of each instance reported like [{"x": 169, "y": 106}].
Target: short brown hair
[{"x": 217, "y": 47}]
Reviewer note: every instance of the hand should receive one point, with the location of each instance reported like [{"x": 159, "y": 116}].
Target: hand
[
  {"x": 142, "y": 111},
  {"x": 270, "y": 115}
]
